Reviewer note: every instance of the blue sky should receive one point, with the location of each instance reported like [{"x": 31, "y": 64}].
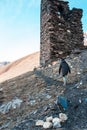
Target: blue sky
[{"x": 20, "y": 27}]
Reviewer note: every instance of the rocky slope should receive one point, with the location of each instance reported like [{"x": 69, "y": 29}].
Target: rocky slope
[
  {"x": 35, "y": 93},
  {"x": 85, "y": 38}
]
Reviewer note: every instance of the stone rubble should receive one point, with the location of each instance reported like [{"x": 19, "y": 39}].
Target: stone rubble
[
  {"x": 39, "y": 90},
  {"x": 47, "y": 125},
  {"x": 5, "y": 108},
  {"x": 63, "y": 117},
  {"x": 39, "y": 123},
  {"x": 52, "y": 122}
]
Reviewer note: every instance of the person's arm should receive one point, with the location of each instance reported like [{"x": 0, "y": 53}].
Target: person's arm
[
  {"x": 69, "y": 69},
  {"x": 60, "y": 68}
]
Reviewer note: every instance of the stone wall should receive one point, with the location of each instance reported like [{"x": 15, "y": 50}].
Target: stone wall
[{"x": 61, "y": 30}]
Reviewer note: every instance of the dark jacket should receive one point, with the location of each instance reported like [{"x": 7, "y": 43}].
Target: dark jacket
[{"x": 64, "y": 68}]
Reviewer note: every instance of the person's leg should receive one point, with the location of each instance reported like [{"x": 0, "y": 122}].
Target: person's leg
[{"x": 64, "y": 80}]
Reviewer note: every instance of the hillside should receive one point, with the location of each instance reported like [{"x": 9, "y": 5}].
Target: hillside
[
  {"x": 19, "y": 66},
  {"x": 36, "y": 92},
  {"x": 4, "y": 63},
  {"x": 85, "y": 38}
]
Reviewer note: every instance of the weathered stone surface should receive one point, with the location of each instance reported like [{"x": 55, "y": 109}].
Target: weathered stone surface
[
  {"x": 47, "y": 125},
  {"x": 39, "y": 123},
  {"x": 63, "y": 117},
  {"x": 61, "y": 30}
]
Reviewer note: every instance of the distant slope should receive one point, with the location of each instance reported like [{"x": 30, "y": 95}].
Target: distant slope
[
  {"x": 19, "y": 66},
  {"x": 85, "y": 38},
  {"x": 4, "y": 63}
]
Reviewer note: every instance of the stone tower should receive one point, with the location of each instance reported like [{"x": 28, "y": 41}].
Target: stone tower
[{"x": 61, "y": 30}]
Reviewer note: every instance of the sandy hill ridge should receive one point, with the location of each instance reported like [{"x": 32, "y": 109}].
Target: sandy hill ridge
[{"x": 19, "y": 66}]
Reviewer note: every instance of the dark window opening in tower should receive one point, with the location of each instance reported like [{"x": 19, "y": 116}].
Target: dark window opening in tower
[{"x": 60, "y": 10}]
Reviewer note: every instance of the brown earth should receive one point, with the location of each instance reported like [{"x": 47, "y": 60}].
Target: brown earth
[{"x": 20, "y": 66}]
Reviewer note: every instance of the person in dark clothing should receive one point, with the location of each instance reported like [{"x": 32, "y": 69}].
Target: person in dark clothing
[{"x": 64, "y": 69}]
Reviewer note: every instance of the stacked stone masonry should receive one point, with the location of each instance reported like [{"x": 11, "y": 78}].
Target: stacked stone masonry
[{"x": 61, "y": 30}]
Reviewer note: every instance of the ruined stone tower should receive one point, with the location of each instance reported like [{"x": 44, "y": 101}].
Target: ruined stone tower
[{"x": 61, "y": 30}]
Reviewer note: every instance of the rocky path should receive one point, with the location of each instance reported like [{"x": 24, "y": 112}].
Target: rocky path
[{"x": 39, "y": 90}]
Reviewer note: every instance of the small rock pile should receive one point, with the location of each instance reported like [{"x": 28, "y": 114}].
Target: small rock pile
[{"x": 52, "y": 122}]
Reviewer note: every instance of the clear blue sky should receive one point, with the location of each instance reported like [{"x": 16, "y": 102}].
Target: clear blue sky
[{"x": 20, "y": 27}]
